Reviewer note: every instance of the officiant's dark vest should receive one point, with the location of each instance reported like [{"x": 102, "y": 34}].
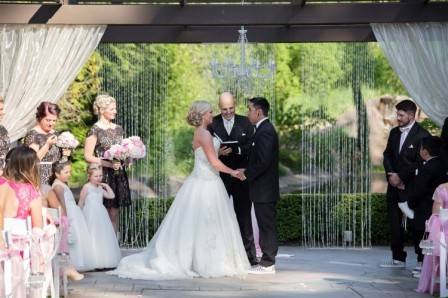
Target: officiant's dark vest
[{"x": 242, "y": 131}]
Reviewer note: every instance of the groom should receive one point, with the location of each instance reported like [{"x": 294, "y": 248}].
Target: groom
[
  {"x": 229, "y": 126},
  {"x": 262, "y": 174}
]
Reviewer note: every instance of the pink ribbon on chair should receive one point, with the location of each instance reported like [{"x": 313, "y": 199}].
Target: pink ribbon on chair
[{"x": 64, "y": 225}]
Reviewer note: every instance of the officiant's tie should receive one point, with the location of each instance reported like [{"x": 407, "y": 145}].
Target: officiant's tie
[{"x": 228, "y": 125}]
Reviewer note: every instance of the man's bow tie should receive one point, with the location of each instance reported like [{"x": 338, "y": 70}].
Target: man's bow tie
[{"x": 403, "y": 129}]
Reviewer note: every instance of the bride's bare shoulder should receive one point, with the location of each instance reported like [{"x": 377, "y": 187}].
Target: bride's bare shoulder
[{"x": 203, "y": 133}]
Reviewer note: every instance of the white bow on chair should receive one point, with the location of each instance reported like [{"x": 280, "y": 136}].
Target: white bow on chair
[{"x": 443, "y": 253}]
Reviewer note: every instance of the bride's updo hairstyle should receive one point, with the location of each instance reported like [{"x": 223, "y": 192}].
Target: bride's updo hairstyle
[
  {"x": 197, "y": 109},
  {"x": 101, "y": 102}
]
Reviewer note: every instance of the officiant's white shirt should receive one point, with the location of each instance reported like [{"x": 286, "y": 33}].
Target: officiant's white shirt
[{"x": 228, "y": 125}]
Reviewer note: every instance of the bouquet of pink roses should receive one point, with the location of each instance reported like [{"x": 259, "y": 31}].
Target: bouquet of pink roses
[
  {"x": 67, "y": 142},
  {"x": 116, "y": 152},
  {"x": 130, "y": 148},
  {"x": 135, "y": 147}
]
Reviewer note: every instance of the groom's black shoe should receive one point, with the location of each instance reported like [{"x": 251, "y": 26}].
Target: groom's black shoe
[{"x": 253, "y": 263}]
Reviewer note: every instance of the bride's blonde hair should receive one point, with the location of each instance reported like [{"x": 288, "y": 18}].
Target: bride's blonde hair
[{"x": 197, "y": 109}]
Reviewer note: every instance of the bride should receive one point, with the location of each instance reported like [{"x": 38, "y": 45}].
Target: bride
[{"x": 199, "y": 236}]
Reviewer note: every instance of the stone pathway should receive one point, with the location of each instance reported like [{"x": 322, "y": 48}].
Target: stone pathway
[{"x": 309, "y": 273}]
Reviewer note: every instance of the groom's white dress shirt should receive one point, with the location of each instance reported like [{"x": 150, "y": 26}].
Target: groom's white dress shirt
[
  {"x": 404, "y": 133},
  {"x": 259, "y": 122}
]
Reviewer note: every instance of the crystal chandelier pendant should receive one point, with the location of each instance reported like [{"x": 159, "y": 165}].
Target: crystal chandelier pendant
[{"x": 243, "y": 73}]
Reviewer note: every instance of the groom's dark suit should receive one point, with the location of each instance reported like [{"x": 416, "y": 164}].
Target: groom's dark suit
[
  {"x": 262, "y": 174},
  {"x": 242, "y": 131},
  {"x": 404, "y": 163}
]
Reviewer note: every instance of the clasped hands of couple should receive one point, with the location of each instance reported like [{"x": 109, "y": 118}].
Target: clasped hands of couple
[
  {"x": 395, "y": 180},
  {"x": 239, "y": 174}
]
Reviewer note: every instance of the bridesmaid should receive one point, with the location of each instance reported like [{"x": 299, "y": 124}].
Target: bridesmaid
[
  {"x": 42, "y": 138},
  {"x": 4, "y": 138},
  {"x": 103, "y": 134}
]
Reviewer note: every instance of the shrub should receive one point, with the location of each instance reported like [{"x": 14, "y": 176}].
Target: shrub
[{"x": 289, "y": 216}]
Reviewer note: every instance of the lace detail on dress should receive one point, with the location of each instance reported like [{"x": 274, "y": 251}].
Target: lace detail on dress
[
  {"x": 4, "y": 145},
  {"x": 105, "y": 138},
  {"x": 53, "y": 155},
  {"x": 25, "y": 194}
]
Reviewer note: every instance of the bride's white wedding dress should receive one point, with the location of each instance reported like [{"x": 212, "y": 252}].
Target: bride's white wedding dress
[{"x": 199, "y": 236}]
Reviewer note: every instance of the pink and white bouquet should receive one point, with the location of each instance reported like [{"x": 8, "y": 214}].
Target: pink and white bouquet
[
  {"x": 116, "y": 152},
  {"x": 135, "y": 146},
  {"x": 67, "y": 141},
  {"x": 129, "y": 148}
]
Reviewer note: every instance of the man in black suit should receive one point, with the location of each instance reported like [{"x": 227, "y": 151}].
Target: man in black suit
[
  {"x": 444, "y": 137},
  {"x": 429, "y": 175},
  {"x": 262, "y": 174},
  {"x": 401, "y": 159},
  {"x": 229, "y": 126}
]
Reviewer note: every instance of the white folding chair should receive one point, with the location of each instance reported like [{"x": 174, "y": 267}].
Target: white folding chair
[
  {"x": 6, "y": 264},
  {"x": 52, "y": 274},
  {"x": 443, "y": 253},
  {"x": 19, "y": 233},
  {"x": 61, "y": 260}
]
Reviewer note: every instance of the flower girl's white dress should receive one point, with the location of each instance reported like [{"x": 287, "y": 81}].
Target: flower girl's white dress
[
  {"x": 79, "y": 239},
  {"x": 106, "y": 251}
]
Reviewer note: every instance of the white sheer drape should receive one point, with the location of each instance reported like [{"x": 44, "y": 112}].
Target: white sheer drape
[
  {"x": 38, "y": 63},
  {"x": 418, "y": 53}
]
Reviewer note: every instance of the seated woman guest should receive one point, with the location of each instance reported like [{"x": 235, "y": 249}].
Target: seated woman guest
[
  {"x": 19, "y": 198},
  {"x": 19, "y": 186},
  {"x": 42, "y": 139},
  {"x": 4, "y": 138},
  {"x": 103, "y": 134}
]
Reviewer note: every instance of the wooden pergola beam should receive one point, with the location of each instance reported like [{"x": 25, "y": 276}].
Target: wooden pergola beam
[
  {"x": 216, "y": 34},
  {"x": 228, "y": 15},
  {"x": 325, "y": 22}
]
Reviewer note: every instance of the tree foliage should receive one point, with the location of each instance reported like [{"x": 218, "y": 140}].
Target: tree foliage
[{"x": 308, "y": 77}]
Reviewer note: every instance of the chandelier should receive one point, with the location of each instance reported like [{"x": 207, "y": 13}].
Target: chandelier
[{"x": 245, "y": 72}]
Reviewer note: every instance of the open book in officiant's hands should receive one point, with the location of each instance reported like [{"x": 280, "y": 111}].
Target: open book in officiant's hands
[{"x": 231, "y": 144}]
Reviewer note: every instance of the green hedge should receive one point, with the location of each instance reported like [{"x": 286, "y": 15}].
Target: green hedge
[{"x": 289, "y": 214}]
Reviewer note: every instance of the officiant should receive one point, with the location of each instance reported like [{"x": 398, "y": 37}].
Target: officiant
[{"x": 236, "y": 132}]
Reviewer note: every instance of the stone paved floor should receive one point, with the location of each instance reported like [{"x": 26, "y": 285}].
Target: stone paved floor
[{"x": 309, "y": 273}]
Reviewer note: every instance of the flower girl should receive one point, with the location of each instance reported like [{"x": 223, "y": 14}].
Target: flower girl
[
  {"x": 105, "y": 247},
  {"x": 79, "y": 239}
]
